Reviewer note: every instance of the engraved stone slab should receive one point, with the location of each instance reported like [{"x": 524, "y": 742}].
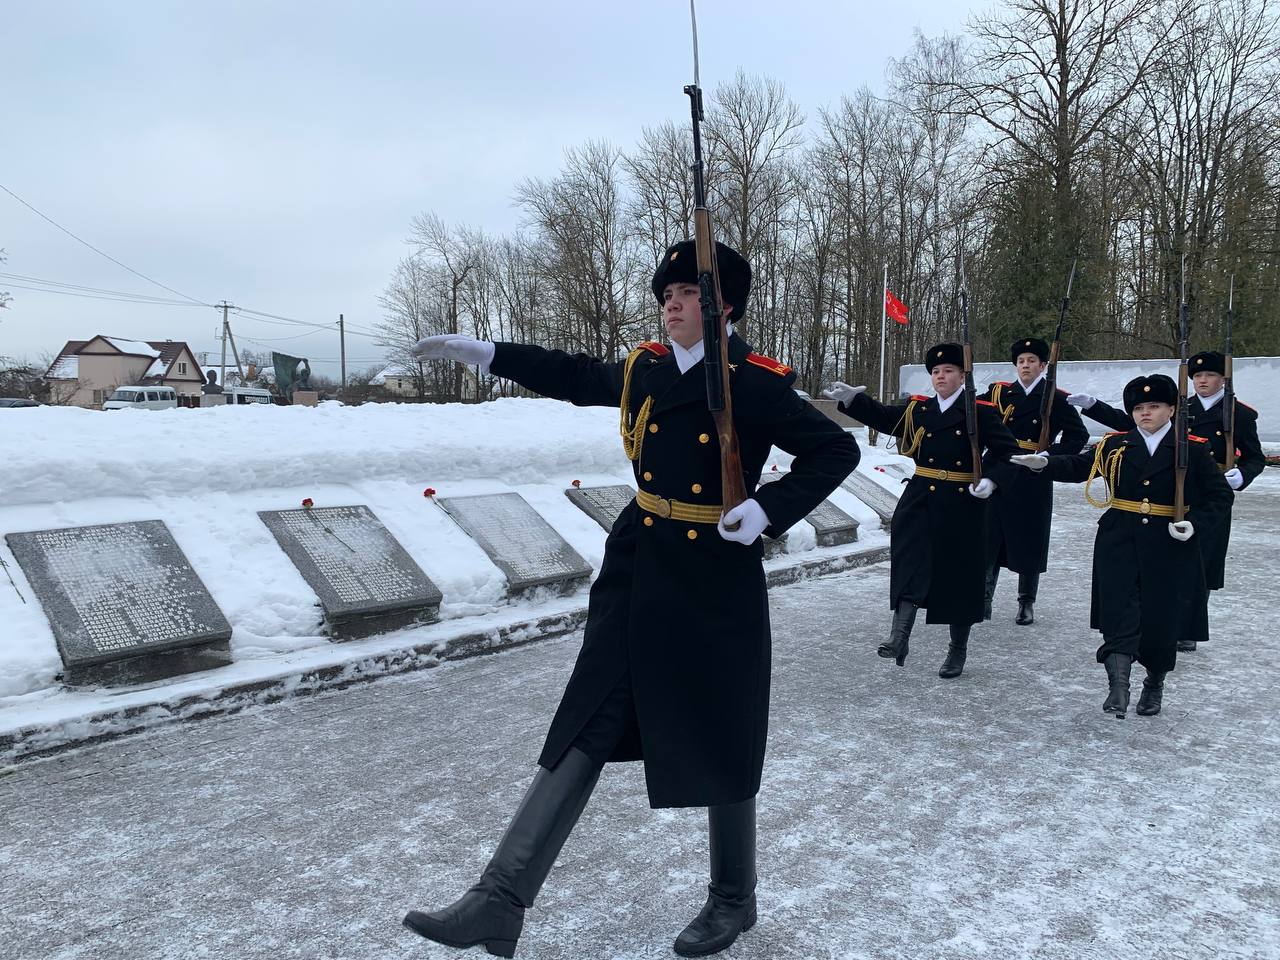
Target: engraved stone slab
[
  {"x": 832, "y": 525},
  {"x": 519, "y": 542},
  {"x": 602, "y": 504},
  {"x": 873, "y": 495},
  {"x": 365, "y": 580},
  {"x": 124, "y": 604}
]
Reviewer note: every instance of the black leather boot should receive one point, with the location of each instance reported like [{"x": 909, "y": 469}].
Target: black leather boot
[
  {"x": 904, "y": 618},
  {"x": 491, "y": 913},
  {"x": 1152, "y": 695},
  {"x": 957, "y": 652},
  {"x": 731, "y": 896},
  {"x": 989, "y": 590},
  {"x": 1117, "y": 701},
  {"x": 1028, "y": 586}
]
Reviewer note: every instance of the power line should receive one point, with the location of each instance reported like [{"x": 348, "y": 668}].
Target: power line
[
  {"x": 95, "y": 249},
  {"x": 137, "y": 297},
  {"x": 94, "y": 296}
]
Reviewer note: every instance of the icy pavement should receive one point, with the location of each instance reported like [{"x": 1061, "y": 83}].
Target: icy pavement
[{"x": 999, "y": 815}]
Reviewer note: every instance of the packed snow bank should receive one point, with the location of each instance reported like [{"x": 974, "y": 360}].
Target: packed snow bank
[
  {"x": 207, "y": 472},
  {"x": 1256, "y": 380}
]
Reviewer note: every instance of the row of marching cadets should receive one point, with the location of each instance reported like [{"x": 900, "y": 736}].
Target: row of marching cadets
[{"x": 1151, "y": 572}]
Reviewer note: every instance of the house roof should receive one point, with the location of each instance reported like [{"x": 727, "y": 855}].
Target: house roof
[{"x": 163, "y": 354}]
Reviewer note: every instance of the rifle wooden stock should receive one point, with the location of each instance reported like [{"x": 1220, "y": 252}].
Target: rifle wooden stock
[
  {"x": 1046, "y": 405},
  {"x": 1181, "y": 444}
]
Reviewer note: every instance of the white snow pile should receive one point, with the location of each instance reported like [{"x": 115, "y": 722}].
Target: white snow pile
[{"x": 207, "y": 472}]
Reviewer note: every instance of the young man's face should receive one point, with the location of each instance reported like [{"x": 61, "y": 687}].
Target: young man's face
[
  {"x": 1207, "y": 383},
  {"x": 1029, "y": 367},
  {"x": 682, "y": 313},
  {"x": 1152, "y": 416},
  {"x": 947, "y": 378}
]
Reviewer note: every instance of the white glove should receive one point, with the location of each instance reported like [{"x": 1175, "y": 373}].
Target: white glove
[
  {"x": 985, "y": 488},
  {"x": 454, "y": 346},
  {"x": 842, "y": 392},
  {"x": 1235, "y": 478},
  {"x": 751, "y": 520},
  {"x": 1082, "y": 400},
  {"x": 1032, "y": 461},
  {"x": 1182, "y": 530}
]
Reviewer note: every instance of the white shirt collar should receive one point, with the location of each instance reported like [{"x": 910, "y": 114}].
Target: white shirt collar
[
  {"x": 1153, "y": 439},
  {"x": 687, "y": 358},
  {"x": 945, "y": 405},
  {"x": 1027, "y": 390},
  {"x": 1209, "y": 402}
]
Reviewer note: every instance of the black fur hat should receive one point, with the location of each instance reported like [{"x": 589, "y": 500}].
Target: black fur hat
[
  {"x": 1156, "y": 388},
  {"x": 943, "y": 353},
  {"x": 1210, "y": 360},
  {"x": 680, "y": 265},
  {"x": 1028, "y": 345}
]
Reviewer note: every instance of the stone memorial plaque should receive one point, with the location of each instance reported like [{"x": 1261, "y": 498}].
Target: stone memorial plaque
[
  {"x": 602, "y": 504},
  {"x": 124, "y": 604},
  {"x": 832, "y": 525},
  {"x": 518, "y": 541},
  {"x": 882, "y": 501},
  {"x": 365, "y": 580}
]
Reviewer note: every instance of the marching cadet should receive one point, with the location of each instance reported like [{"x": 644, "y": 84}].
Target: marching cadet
[
  {"x": 937, "y": 539},
  {"x": 1205, "y": 419},
  {"x": 675, "y": 661},
  {"x": 1148, "y": 581},
  {"x": 1021, "y": 514}
]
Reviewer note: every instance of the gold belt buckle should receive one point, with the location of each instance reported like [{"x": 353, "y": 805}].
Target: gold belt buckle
[
  {"x": 942, "y": 474},
  {"x": 663, "y": 508},
  {"x": 1145, "y": 508}
]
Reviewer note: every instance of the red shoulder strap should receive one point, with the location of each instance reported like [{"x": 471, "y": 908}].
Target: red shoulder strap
[
  {"x": 654, "y": 347},
  {"x": 768, "y": 363}
]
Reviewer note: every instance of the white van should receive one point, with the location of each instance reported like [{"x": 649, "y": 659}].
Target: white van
[
  {"x": 142, "y": 398},
  {"x": 241, "y": 395}
]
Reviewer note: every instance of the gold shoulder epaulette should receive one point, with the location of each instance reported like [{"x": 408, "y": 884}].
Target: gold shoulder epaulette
[{"x": 768, "y": 363}]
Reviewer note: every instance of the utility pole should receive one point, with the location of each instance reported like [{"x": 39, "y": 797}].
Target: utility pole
[
  {"x": 222, "y": 371},
  {"x": 342, "y": 346}
]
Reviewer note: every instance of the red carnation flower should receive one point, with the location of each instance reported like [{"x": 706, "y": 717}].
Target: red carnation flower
[
  {"x": 308, "y": 503},
  {"x": 577, "y": 483},
  {"x": 429, "y": 492}
]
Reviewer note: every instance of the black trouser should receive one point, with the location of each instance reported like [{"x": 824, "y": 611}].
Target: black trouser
[
  {"x": 614, "y": 720},
  {"x": 1028, "y": 584}
]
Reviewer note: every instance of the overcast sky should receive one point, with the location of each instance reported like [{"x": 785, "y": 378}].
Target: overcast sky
[{"x": 273, "y": 154}]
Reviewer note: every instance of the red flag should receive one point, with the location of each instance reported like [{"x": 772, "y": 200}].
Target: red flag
[{"x": 895, "y": 308}]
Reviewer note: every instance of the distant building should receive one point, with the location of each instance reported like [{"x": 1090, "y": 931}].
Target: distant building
[
  {"x": 87, "y": 371},
  {"x": 399, "y": 382}
]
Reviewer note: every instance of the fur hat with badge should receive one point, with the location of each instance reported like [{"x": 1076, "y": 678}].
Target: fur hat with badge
[
  {"x": 1029, "y": 345},
  {"x": 680, "y": 265},
  {"x": 940, "y": 353},
  {"x": 1210, "y": 361},
  {"x": 1156, "y": 388}
]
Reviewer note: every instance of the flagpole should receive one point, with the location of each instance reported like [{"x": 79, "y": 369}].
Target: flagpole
[{"x": 884, "y": 310}]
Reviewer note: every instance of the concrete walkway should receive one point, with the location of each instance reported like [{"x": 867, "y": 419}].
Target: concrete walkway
[{"x": 999, "y": 815}]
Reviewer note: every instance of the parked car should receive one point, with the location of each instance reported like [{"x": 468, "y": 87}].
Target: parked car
[
  {"x": 239, "y": 395},
  {"x": 142, "y": 398},
  {"x": 18, "y": 402}
]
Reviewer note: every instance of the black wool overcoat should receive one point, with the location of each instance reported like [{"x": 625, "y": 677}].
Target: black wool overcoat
[
  {"x": 1208, "y": 424},
  {"x": 937, "y": 539},
  {"x": 1171, "y": 582},
  {"x": 1020, "y": 515},
  {"x": 676, "y": 607}
]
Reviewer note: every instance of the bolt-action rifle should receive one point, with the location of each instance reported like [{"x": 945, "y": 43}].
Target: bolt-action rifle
[
  {"x": 1051, "y": 372},
  {"x": 1181, "y": 444},
  {"x": 1229, "y": 392},
  {"x": 970, "y": 392}
]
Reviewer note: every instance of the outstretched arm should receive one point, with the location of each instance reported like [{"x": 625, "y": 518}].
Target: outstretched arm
[{"x": 582, "y": 380}]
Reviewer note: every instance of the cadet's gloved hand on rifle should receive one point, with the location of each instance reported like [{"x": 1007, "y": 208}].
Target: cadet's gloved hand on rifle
[
  {"x": 1182, "y": 530},
  {"x": 842, "y": 392},
  {"x": 454, "y": 346},
  {"x": 752, "y": 521},
  {"x": 1082, "y": 400},
  {"x": 985, "y": 488},
  {"x": 1032, "y": 461},
  {"x": 1234, "y": 477}
]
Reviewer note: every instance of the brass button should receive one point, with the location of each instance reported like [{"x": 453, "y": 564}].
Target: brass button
[
  {"x": 696, "y": 488},
  {"x": 1146, "y": 483},
  {"x": 648, "y": 521},
  {"x": 931, "y": 459},
  {"x": 932, "y": 488},
  {"x": 704, "y": 438},
  {"x": 1035, "y": 421},
  {"x": 942, "y": 475},
  {"x": 693, "y": 534},
  {"x": 957, "y": 433},
  {"x": 959, "y": 464},
  {"x": 653, "y": 428},
  {"x": 1219, "y": 433},
  {"x": 1144, "y": 519},
  {"x": 648, "y": 475}
]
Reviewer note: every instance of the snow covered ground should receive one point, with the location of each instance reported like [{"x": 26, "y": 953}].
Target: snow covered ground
[
  {"x": 207, "y": 472},
  {"x": 902, "y": 816}
]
